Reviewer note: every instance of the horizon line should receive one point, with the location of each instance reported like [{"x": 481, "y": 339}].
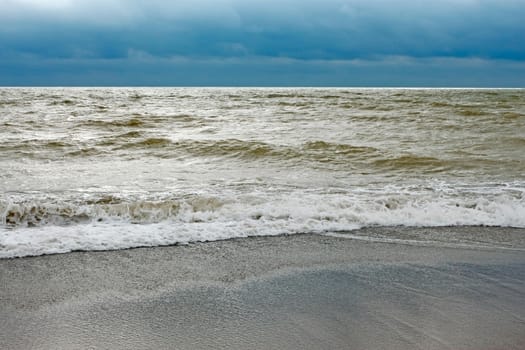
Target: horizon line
[{"x": 265, "y": 87}]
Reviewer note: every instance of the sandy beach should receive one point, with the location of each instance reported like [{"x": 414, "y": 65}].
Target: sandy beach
[{"x": 288, "y": 292}]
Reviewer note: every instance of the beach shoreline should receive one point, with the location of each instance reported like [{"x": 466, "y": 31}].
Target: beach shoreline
[{"x": 297, "y": 291}]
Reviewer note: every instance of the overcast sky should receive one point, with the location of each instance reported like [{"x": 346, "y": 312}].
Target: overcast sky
[{"x": 270, "y": 42}]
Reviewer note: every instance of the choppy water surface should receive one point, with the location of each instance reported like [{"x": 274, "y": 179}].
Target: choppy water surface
[{"x": 116, "y": 168}]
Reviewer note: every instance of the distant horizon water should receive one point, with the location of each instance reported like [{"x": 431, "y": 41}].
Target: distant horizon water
[{"x": 409, "y": 87}]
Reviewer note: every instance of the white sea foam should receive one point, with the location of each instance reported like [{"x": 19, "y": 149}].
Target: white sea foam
[{"x": 207, "y": 218}]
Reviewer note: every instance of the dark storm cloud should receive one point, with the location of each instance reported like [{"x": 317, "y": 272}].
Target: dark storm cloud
[{"x": 255, "y": 33}]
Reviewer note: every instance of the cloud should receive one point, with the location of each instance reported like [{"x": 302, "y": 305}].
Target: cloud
[{"x": 298, "y": 30}]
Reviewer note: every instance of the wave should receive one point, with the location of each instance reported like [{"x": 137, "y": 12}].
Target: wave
[
  {"x": 314, "y": 151},
  {"x": 66, "y": 102},
  {"x": 315, "y": 154},
  {"x": 413, "y": 161},
  {"x": 34, "y": 146},
  {"x": 517, "y": 141},
  {"x": 49, "y": 149},
  {"x": 152, "y": 142},
  {"x": 108, "y": 124},
  {"x": 284, "y": 95},
  {"x": 230, "y": 148},
  {"x": 471, "y": 112},
  {"x": 512, "y": 115},
  {"x": 35, "y": 213},
  {"x": 110, "y": 221},
  {"x": 139, "y": 143},
  {"x": 57, "y": 212},
  {"x": 37, "y": 144},
  {"x": 137, "y": 121},
  {"x": 339, "y": 147}
]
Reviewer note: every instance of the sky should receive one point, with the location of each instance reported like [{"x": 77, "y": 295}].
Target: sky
[{"x": 449, "y": 43}]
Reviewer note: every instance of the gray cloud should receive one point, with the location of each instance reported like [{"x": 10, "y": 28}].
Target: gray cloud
[{"x": 299, "y": 30}]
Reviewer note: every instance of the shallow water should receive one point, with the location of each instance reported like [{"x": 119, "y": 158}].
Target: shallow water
[{"x": 103, "y": 168}]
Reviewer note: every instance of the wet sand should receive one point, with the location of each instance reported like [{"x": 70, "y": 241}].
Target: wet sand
[{"x": 447, "y": 288}]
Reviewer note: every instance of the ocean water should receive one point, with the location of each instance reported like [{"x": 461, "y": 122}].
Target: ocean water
[{"x": 113, "y": 168}]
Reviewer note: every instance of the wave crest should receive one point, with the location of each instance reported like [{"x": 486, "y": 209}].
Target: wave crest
[
  {"x": 41, "y": 226},
  {"x": 52, "y": 212}
]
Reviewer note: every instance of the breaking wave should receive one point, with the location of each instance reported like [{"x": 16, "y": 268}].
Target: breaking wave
[{"x": 53, "y": 225}]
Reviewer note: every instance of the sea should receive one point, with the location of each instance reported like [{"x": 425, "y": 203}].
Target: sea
[{"x": 114, "y": 168}]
